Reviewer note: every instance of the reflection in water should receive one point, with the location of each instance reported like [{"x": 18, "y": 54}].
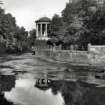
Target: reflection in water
[
  {"x": 25, "y": 89},
  {"x": 43, "y": 83},
  {"x": 7, "y": 82},
  {"x": 3, "y": 101},
  {"x": 79, "y": 93},
  {"x": 25, "y": 93}
]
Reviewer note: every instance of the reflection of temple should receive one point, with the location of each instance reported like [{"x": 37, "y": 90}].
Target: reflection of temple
[{"x": 43, "y": 83}]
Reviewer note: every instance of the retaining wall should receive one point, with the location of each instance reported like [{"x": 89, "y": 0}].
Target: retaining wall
[
  {"x": 96, "y": 54},
  {"x": 65, "y": 55}
]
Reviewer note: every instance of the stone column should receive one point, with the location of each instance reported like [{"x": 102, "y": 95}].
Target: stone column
[
  {"x": 37, "y": 30},
  {"x": 46, "y": 31},
  {"x": 40, "y": 30}
]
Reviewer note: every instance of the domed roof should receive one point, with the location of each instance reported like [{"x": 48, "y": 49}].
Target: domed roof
[{"x": 43, "y": 19}]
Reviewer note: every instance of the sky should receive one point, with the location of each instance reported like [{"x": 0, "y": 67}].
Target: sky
[{"x": 27, "y": 12}]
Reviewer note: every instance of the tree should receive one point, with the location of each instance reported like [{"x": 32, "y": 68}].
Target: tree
[
  {"x": 22, "y": 38},
  {"x": 8, "y": 26},
  {"x": 56, "y": 23},
  {"x": 85, "y": 21},
  {"x": 32, "y": 37},
  {"x": 56, "y": 30},
  {"x": 10, "y": 32}
]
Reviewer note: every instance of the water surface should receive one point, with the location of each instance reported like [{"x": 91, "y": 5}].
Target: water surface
[{"x": 18, "y": 86}]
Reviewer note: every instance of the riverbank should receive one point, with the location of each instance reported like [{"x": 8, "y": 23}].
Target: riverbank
[{"x": 81, "y": 59}]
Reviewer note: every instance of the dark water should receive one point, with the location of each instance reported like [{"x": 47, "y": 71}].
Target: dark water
[{"x": 18, "y": 86}]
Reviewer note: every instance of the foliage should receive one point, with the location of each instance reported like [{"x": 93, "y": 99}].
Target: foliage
[
  {"x": 10, "y": 33},
  {"x": 56, "y": 23},
  {"x": 83, "y": 22},
  {"x": 57, "y": 29},
  {"x": 32, "y": 37}
]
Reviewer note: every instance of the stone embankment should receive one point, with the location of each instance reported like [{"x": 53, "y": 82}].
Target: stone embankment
[{"x": 81, "y": 58}]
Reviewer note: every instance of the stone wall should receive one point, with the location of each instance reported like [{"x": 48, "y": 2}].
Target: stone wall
[
  {"x": 65, "y": 55},
  {"x": 96, "y": 54},
  {"x": 97, "y": 49}
]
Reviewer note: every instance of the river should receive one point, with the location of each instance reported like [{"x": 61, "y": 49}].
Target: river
[{"x": 18, "y": 83}]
